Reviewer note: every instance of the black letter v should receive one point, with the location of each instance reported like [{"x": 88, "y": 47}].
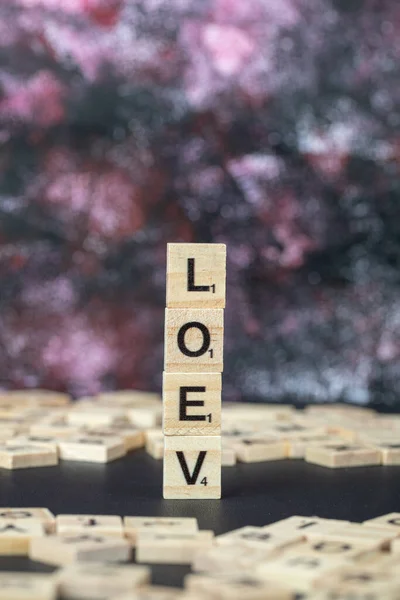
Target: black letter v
[{"x": 191, "y": 479}]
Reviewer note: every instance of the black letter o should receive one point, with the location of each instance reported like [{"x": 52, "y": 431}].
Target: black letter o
[{"x": 206, "y": 339}]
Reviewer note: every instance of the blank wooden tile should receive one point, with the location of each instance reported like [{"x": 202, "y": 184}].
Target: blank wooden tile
[
  {"x": 93, "y": 524},
  {"x": 234, "y": 586},
  {"x": 334, "y": 455},
  {"x": 196, "y": 275},
  {"x": 27, "y": 586},
  {"x": 92, "y": 449},
  {"x": 192, "y": 467},
  {"x": 391, "y": 520},
  {"x": 257, "y": 537},
  {"x": 194, "y": 340},
  {"x": 15, "y": 456},
  {"x": 97, "y": 581},
  {"x": 134, "y": 525},
  {"x": 66, "y": 549},
  {"x": 15, "y": 537},
  {"x": 22, "y": 515},
  {"x": 259, "y": 449},
  {"x": 171, "y": 548},
  {"x": 192, "y": 403}
]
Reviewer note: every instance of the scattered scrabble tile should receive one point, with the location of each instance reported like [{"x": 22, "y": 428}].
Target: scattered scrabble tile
[
  {"x": 20, "y": 516},
  {"x": 134, "y": 525},
  {"x": 192, "y": 403},
  {"x": 196, "y": 275},
  {"x": 97, "y": 581},
  {"x": 85, "y": 547},
  {"x": 194, "y": 340},
  {"x": 298, "y": 570},
  {"x": 92, "y": 449},
  {"x": 336, "y": 455},
  {"x": 355, "y": 581},
  {"x": 25, "y": 456},
  {"x": 259, "y": 449},
  {"x": 306, "y": 526},
  {"x": 371, "y": 537},
  {"x": 257, "y": 537},
  {"x": 237, "y": 587},
  {"x": 27, "y": 586},
  {"x": 228, "y": 557},
  {"x": 171, "y": 548},
  {"x": 93, "y": 524},
  {"x": 95, "y": 415},
  {"x": 16, "y": 536},
  {"x": 391, "y": 520},
  {"x": 228, "y": 456},
  {"x": 390, "y": 452},
  {"x": 192, "y": 467}
]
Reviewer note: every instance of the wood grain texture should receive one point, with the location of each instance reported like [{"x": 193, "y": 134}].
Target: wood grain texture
[
  {"x": 182, "y": 389},
  {"x": 199, "y": 283},
  {"x": 192, "y": 467},
  {"x": 194, "y": 340}
]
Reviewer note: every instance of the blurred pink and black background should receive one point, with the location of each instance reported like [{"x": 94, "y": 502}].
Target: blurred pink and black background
[{"x": 270, "y": 125}]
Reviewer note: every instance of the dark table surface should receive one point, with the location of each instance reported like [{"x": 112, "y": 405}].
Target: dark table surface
[{"x": 254, "y": 494}]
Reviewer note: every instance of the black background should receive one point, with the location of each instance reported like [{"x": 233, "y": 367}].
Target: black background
[{"x": 253, "y": 494}]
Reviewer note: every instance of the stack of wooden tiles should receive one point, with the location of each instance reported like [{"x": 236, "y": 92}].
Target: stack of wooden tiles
[{"x": 194, "y": 331}]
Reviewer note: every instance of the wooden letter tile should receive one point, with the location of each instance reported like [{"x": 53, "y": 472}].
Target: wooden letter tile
[
  {"x": 16, "y": 536},
  {"x": 257, "y": 537},
  {"x": 335, "y": 455},
  {"x": 20, "y": 516},
  {"x": 171, "y": 548},
  {"x": 192, "y": 467},
  {"x": 154, "y": 592},
  {"x": 134, "y": 525},
  {"x": 93, "y": 524},
  {"x": 259, "y": 449},
  {"x": 194, "y": 340},
  {"x": 27, "y": 586},
  {"x": 391, "y": 520},
  {"x": 192, "y": 403},
  {"x": 97, "y": 581},
  {"x": 92, "y": 449},
  {"x": 196, "y": 275},
  {"x": 67, "y": 549},
  {"x": 24, "y": 456}
]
